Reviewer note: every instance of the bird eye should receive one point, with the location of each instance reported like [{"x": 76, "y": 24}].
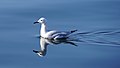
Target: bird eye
[{"x": 41, "y": 20}]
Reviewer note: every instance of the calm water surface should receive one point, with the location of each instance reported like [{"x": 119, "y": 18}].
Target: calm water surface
[{"x": 17, "y": 33}]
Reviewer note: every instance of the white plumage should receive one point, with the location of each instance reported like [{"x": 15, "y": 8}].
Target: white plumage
[{"x": 52, "y": 34}]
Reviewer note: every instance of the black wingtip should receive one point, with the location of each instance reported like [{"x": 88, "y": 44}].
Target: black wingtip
[{"x": 73, "y": 31}]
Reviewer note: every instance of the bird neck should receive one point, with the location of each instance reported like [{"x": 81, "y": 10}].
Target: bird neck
[{"x": 43, "y": 29}]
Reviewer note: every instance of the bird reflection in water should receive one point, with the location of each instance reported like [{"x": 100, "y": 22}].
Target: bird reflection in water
[{"x": 45, "y": 42}]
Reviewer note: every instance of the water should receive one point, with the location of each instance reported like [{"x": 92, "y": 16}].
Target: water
[{"x": 17, "y": 33}]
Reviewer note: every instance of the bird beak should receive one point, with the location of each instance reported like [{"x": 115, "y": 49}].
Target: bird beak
[{"x": 35, "y": 22}]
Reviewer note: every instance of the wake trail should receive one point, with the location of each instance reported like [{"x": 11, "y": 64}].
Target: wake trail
[{"x": 102, "y": 37}]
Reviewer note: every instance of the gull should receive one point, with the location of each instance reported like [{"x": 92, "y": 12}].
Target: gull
[{"x": 55, "y": 35}]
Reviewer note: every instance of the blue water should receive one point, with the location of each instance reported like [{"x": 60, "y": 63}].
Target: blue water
[{"x": 17, "y": 33}]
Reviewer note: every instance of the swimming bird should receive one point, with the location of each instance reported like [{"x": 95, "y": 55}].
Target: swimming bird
[{"x": 55, "y": 35}]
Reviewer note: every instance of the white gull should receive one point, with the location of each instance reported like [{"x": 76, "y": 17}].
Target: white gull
[{"x": 55, "y": 35}]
